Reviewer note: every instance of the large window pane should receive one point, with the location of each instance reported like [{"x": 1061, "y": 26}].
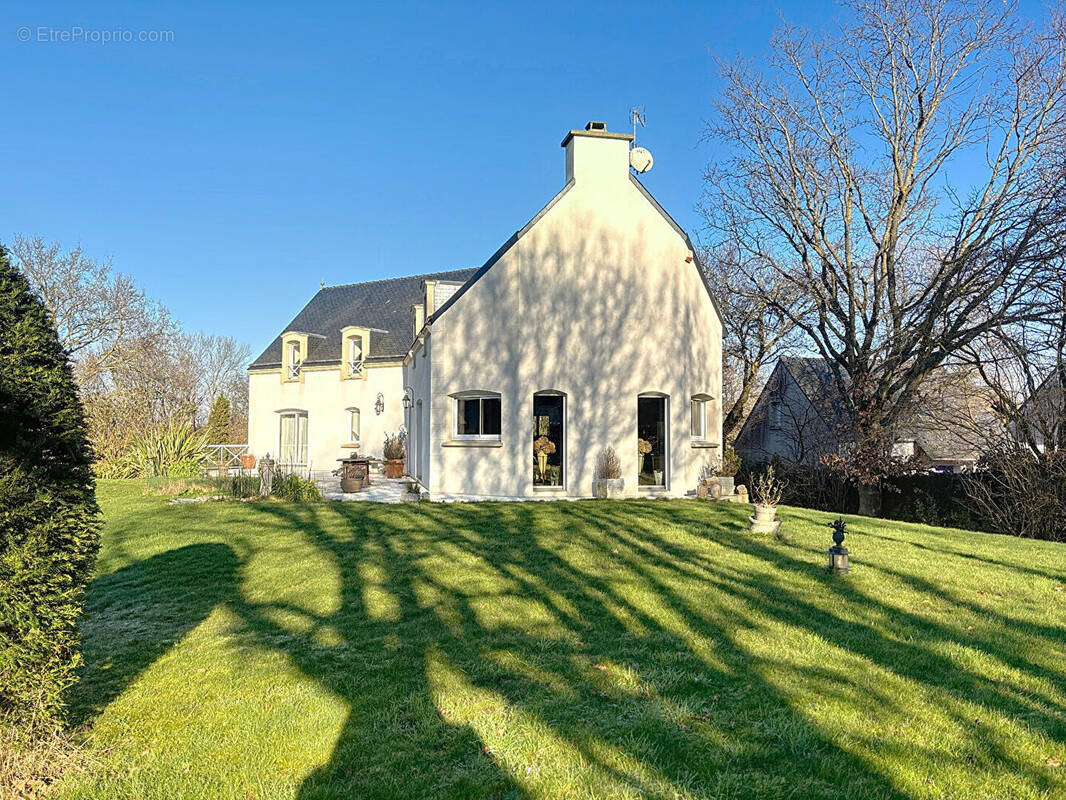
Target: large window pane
[
  {"x": 490, "y": 416},
  {"x": 651, "y": 441},
  {"x": 469, "y": 417}
]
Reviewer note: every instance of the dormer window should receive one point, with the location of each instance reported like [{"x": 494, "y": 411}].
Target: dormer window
[{"x": 354, "y": 352}]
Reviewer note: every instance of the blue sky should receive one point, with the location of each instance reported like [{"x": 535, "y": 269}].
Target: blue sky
[{"x": 269, "y": 147}]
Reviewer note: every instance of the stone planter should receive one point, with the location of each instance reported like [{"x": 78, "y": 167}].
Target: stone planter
[
  {"x": 608, "y": 487},
  {"x": 349, "y": 485},
  {"x": 763, "y": 520},
  {"x": 394, "y": 468},
  {"x": 726, "y": 482}
]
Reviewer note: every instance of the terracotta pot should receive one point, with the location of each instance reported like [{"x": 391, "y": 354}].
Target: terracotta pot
[
  {"x": 247, "y": 461},
  {"x": 394, "y": 468}
]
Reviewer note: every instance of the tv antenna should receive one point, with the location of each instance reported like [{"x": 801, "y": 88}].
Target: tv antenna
[
  {"x": 636, "y": 117},
  {"x": 639, "y": 158}
]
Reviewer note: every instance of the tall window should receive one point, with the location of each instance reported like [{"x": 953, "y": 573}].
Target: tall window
[
  {"x": 353, "y": 425},
  {"x": 477, "y": 417},
  {"x": 292, "y": 438},
  {"x": 700, "y": 409},
  {"x": 651, "y": 440},
  {"x": 549, "y": 441}
]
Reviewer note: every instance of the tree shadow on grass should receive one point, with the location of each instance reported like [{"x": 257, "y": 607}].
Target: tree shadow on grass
[
  {"x": 134, "y": 615},
  {"x": 622, "y": 649},
  {"x": 488, "y": 655}
]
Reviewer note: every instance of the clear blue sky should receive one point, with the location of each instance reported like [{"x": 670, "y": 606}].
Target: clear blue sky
[{"x": 271, "y": 146}]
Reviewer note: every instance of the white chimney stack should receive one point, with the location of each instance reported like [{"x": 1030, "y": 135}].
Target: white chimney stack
[{"x": 596, "y": 155}]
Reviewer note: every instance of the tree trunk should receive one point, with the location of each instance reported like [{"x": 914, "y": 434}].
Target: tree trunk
[{"x": 870, "y": 499}]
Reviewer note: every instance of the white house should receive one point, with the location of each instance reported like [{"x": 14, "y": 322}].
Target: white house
[{"x": 592, "y": 326}]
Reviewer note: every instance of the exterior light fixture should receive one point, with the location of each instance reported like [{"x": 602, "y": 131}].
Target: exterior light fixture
[
  {"x": 379, "y": 406},
  {"x": 838, "y": 554},
  {"x": 408, "y": 397}
]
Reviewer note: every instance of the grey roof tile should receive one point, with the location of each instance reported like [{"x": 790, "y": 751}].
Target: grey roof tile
[{"x": 383, "y": 306}]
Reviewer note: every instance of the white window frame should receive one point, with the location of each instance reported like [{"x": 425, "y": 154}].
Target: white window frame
[
  {"x": 358, "y": 425},
  {"x": 294, "y": 361},
  {"x": 300, "y": 447},
  {"x": 475, "y": 437},
  {"x": 355, "y": 365},
  {"x": 703, "y": 402}
]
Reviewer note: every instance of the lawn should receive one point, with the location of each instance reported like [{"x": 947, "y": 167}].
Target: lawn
[{"x": 619, "y": 649}]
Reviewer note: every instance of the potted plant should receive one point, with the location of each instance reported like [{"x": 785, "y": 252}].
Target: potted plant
[
  {"x": 727, "y": 470},
  {"x": 608, "y": 481},
  {"x": 394, "y": 450},
  {"x": 542, "y": 448},
  {"x": 766, "y": 492}
]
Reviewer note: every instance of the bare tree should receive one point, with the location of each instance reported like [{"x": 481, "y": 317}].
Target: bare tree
[
  {"x": 757, "y": 332},
  {"x": 103, "y": 318},
  {"x": 841, "y": 154}
]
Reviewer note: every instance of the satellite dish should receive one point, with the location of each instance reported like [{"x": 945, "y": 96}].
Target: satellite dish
[{"x": 640, "y": 160}]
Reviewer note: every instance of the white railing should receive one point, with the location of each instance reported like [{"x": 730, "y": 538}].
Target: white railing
[
  {"x": 355, "y": 368},
  {"x": 294, "y": 370},
  {"x": 225, "y": 457}
]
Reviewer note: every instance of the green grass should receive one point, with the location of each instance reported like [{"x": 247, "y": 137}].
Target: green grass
[{"x": 624, "y": 649}]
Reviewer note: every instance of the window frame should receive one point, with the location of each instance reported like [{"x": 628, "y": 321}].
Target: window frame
[
  {"x": 300, "y": 446},
  {"x": 357, "y": 439},
  {"x": 703, "y": 401},
  {"x": 466, "y": 397}
]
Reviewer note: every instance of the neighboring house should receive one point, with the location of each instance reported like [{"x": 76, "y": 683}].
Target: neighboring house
[
  {"x": 331, "y": 384},
  {"x": 1042, "y": 417},
  {"x": 592, "y": 326},
  {"x": 798, "y": 417}
]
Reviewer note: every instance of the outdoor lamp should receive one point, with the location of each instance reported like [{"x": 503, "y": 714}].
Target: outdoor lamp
[
  {"x": 408, "y": 400},
  {"x": 838, "y": 553},
  {"x": 379, "y": 406}
]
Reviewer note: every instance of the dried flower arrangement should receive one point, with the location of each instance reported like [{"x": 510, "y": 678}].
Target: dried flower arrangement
[
  {"x": 543, "y": 446},
  {"x": 643, "y": 446}
]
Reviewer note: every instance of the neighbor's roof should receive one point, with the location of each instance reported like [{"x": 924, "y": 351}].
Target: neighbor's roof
[
  {"x": 943, "y": 426},
  {"x": 815, "y": 379},
  {"x": 383, "y": 306}
]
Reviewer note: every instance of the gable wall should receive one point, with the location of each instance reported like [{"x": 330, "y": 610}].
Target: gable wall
[{"x": 596, "y": 301}]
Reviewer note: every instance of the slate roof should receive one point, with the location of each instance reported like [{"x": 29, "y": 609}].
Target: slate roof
[
  {"x": 383, "y": 306},
  {"x": 815, "y": 378}
]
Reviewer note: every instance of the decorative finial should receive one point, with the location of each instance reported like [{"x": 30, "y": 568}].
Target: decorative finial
[{"x": 838, "y": 554}]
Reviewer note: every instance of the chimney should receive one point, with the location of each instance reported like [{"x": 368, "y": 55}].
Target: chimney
[{"x": 596, "y": 155}]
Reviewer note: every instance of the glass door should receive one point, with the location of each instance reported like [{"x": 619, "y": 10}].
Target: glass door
[
  {"x": 549, "y": 443},
  {"x": 292, "y": 449},
  {"x": 651, "y": 441}
]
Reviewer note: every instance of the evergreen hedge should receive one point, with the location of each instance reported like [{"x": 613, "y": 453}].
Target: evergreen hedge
[{"x": 49, "y": 531}]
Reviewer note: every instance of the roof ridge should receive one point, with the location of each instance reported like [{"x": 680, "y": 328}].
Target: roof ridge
[{"x": 398, "y": 278}]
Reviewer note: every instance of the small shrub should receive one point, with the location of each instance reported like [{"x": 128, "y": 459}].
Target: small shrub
[
  {"x": 730, "y": 463},
  {"x": 767, "y": 489},
  {"x": 295, "y": 489},
  {"x": 395, "y": 447},
  {"x": 154, "y": 453},
  {"x": 608, "y": 467},
  {"x": 1019, "y": 493},
  {"x": 245, "y": 485},
  {"x": 185, "y": 468}
]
